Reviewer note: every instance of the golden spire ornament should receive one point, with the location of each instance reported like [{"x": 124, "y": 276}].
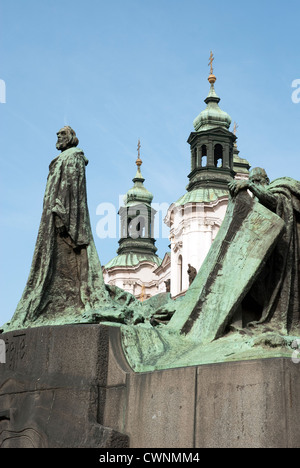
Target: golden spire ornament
[
  {"x": 211, "y": 77},
  {"x": 211, "y": 59},
  {"x": 138, "y": 161}
]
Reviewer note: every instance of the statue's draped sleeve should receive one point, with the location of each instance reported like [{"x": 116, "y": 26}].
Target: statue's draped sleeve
[{"x": 70, "y": 204}]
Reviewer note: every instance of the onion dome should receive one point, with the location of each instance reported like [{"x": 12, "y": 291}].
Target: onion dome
[
  {"x": 138, "y": 193},
  {"x": 212, "y": 116}
]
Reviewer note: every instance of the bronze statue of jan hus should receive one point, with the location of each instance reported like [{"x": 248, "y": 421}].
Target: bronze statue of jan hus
[
  {"x": 274, "y": 299},
  {"x": 65, "y": 276}
]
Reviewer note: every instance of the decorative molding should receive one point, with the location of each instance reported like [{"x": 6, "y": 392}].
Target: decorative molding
[
  {"x": 177, "y": 246},
  {"x": 128, "y": 282}
]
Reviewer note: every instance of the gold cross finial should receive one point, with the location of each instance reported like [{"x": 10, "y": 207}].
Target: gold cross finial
[
  {"x": 211, "y": 59},
  {"x": 211, "y": 77},
  {"x": 138, "y": 161},
  {"x": 138, "y": 148}
]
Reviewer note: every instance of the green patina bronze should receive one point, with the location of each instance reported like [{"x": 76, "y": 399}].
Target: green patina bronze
[
  {"x": 65, "y": 283},
  {"x": 243, "y": 303}
]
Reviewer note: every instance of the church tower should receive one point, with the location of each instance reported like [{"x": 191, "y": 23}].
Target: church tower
[
  {"x": 133, "y": 267},
  {"x": 194, "y": 219},
  {"x": 211, "y": 144},
  {"x": 137, "y": 218}
]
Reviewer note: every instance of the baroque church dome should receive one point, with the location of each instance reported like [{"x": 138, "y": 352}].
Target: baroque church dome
[
  {"x": 138, "y": 193},
  {"x": 212, "y": 116}
]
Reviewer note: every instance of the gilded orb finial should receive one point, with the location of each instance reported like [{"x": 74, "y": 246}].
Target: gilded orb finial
[
  {"x": 139, "y": 161},
  {"x": 211, "y": 77}
]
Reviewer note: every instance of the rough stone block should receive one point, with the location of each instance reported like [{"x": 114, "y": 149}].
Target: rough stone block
[
  {"x": 161, "y": 408},
  {"x": 51, "y": 397},
  {"x": 52, "y": 385},
  {"x": 248, "y": 404}
]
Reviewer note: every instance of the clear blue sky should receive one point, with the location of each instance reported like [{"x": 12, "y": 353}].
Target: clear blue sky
[{"x": 127, "y": 69}]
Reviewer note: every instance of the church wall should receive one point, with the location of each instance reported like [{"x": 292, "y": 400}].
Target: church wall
[
  {"x": 135, "y": 280},
  {"x": 193, "y": 228}
]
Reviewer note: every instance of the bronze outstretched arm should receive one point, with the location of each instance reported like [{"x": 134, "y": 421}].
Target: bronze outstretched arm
[
  {"x": 237, "y": 185},
  {"x": 260, "y": 191}
]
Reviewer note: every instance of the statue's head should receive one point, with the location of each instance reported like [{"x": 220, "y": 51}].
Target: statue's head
[
  {"x": 66, "y": 138},
  {"x": 259, "y": 176}
]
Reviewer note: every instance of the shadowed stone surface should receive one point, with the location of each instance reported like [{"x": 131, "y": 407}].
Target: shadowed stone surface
[
  {"x": 71, "y": 386},
  {"x": 248, "y": 404},
  {"x": 51, "y": 388}
]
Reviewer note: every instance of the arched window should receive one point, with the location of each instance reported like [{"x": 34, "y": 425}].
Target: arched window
[
  {"x": 137, "y": 227},
  {"x": 129, "y": 227},
  {"x": 179, "y": 273},
  {"x": 218, "y": 155},
  {"x": 141, "y": 227},
  {"x": 203, "y": 156}
]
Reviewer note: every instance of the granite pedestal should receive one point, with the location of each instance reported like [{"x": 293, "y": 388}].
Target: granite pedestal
[{"x": 71, "y": 386}]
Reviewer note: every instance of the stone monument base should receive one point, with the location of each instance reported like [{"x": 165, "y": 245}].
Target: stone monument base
[{"x": 71, "y": 386}]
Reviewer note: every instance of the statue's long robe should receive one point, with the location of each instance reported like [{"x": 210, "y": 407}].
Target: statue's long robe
[
  {"x": 279, "y": 283},
  {"x": 65, "y": 276}
]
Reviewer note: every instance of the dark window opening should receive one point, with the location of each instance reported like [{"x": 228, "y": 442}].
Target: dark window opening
[
  {"x": 203, "y": 156},
  {"x": 218, "y": 155}
]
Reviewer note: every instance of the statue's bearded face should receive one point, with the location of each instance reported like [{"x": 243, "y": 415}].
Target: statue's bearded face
[{"x": 63, "y": 139}]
